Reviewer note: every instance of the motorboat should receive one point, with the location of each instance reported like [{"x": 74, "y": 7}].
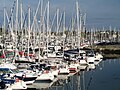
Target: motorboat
[
  {"x": 27, "y": 77},
  {"x": 10, "y": 83},
  {"x": 45, "y": 76}
]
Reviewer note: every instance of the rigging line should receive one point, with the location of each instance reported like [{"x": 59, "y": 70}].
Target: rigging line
[
  {"x": 9, "y": 25},
  {"x": 60, "y": 23},
  {"x": 24, "y": 20},
  {"x": 53, "y": 21},
  {"x": 45, "y": 16},
  {"x": 36, "y": 12},
  {"x": 11, "y": 14}
]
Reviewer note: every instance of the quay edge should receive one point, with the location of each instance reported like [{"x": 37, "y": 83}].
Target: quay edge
[{"x": 108, "y": 51}]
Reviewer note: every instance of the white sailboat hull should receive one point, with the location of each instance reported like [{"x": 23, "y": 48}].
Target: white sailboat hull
[{"x": 45, "y": 77}]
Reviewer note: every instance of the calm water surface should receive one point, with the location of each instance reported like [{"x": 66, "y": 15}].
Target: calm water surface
[{"x": 106, "y": 76}]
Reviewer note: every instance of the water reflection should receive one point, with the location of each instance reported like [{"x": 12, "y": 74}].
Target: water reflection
[{"x": 106, "y": 76}]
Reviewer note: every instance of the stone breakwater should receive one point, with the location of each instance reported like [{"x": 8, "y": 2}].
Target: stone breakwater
[{"x": 108, "y": 51}]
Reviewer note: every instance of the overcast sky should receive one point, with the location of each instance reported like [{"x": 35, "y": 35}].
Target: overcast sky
[{"x": 99, "y": 12}]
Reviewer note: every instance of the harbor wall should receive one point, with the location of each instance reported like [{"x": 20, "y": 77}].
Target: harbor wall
[{"x": 108, "y": 51}]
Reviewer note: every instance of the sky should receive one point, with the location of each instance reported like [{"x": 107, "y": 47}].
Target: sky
[{"x": 100, "y": 13}]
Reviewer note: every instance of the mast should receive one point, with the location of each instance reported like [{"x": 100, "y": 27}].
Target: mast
[
  {"x": 28, "y": 31},
  {"x": 84, "y": 28},
  {"x": 16, "y": 25},
  {"x": 12, "y": 24},
  {"x": 41, "y": 27},
  {"x": 4, "y": 34},
  {"x": 72, "y": 31},
  {"x": 43, "y": 24},
  {"x": 57, "y": 21},
  {"x": 21, "y": 16},
  {"x": 41, "y": 7},
  {"x": 110, "y": 34},
  {"x": 78, "y": 28},
  {"x": 4, "y": 22},
  {"x": 21, "y": 23},
  {"x": 80, "y": 31},
  {"x": 114, "y": 34},
  {"x": 91, "y": 38},
  {"x": 16, "y": 28},
  {"x": 64, "y": 36},
  {"x": 47, "y": 26}
]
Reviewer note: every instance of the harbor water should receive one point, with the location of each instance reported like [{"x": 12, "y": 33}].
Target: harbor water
[{"x": 105, "y": 76}]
